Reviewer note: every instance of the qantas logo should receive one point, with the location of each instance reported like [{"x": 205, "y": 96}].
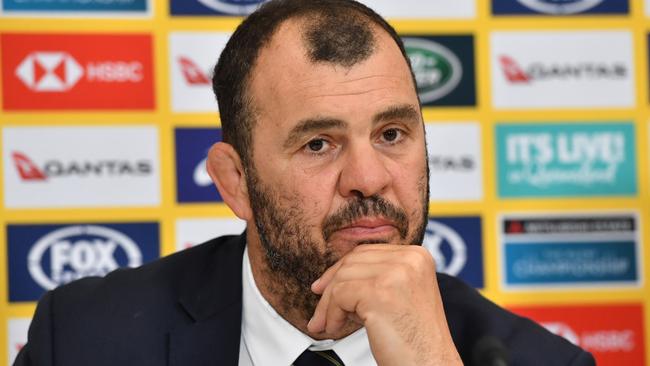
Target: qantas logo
[
  {"x": 26, "y": 168},
  {"x": 59, "y": 71},
  {"x": 193, "y": 74},
  {"x": 29, "y": 171},
  {"x": 538, "y": 71}
]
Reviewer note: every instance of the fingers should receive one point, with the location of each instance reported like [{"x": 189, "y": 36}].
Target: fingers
[
  {"x": 347, "y": 283},
  {"x": 367, "y": 253},
  {"x": 350, "y": 273}
]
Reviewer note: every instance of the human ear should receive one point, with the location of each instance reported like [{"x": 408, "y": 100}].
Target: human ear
[{"x": 225, "y": 168}]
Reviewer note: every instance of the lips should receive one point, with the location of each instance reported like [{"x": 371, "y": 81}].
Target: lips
[{"x": 367, "y": 229}]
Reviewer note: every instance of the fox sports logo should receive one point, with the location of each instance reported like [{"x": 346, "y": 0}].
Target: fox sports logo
[
  {"x": 74, "y": 252},
  {"x": 560, "y": 6},
  {"x": 234, "y": 7}
]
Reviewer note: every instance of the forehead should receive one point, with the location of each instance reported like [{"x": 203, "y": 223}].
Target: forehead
[{"x": 286, "y": 86}]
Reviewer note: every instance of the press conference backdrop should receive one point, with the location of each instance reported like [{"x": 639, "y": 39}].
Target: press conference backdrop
[{"x": 537, "y": 116}]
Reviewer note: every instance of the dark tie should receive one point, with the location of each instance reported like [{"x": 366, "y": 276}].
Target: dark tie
[{"x": 318, "y": 358}]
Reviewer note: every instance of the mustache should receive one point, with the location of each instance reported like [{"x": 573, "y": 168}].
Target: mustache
[{"x": 373, "y": 206}]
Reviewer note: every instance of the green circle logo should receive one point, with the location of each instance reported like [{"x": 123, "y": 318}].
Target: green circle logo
[{"x": 437, "y": 69}]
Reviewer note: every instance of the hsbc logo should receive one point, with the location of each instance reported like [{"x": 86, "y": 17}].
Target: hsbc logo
[
  {"x": 538, "y": 71},
  {"x": 29, "y": 171},
  {"x": 69, "y": 71},
  {"x": 59, "y": 71},
  {"x": 49, "y": 71},
  {"x": 613, "y": 333},
  {"x": 606, "y": 340},
  {"x": 563, "y": 331}
]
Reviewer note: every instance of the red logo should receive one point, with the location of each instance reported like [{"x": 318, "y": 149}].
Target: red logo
[
  {"x": 193, "y": 74},
  {"x": 612, "y": 333},
  {"x": 77, "y": 71},
  {"x": 26, "y": 168},
  {"x": 513, "y": 71}
]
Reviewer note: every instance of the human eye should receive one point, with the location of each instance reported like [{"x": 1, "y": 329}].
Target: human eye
[
  {"x": 392, "y": 135},
  {"x": 317, "y": 146}
]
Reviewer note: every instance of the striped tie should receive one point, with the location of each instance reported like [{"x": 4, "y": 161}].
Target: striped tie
[{"x": 318, "y": 358}]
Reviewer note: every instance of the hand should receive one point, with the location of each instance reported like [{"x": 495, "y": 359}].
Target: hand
[{"x": 391, "y": 290}]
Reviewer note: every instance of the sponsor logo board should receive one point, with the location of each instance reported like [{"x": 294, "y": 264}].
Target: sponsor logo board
[
  {"x": 570, "y": 250},
  {"x": 456, "y": 245},
  {"x": 193, "y": 184},
  {"x": 612, "y": 333},
  {"x": 69, "y": 71},
  {"x": 58, "y": 8},
  {"x": 560, "y": 7},
  {"x": 192, "y": 58},
  {"x": 562, "y": 69},
  {"x": 568, "y": 159},
  {"x": 190, "y": 232},
  {"x": 420, "y": 9},
  {"x": 444, "y": 69},
  {"x": 42, "y": 257},
  {"x": 217, "y": 7},
  {"x": 17, "y": 336},
  {"x": 96, "y": 166},
  {"x": 455, "y": 164}
]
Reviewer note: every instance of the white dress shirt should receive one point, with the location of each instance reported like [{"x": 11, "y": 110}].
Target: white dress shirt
[{"x": 268, "y": 339}]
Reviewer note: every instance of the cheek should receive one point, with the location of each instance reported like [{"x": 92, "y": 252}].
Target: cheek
[{"x": 315, "y": 193}]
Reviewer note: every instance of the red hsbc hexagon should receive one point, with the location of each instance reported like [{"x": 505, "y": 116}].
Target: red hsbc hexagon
[
  {"x": 612, "y": 333},
  {"x": 77, "y": 71}
]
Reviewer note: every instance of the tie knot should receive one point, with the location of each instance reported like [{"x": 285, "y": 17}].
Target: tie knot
[{"x": 318, "y": 358}]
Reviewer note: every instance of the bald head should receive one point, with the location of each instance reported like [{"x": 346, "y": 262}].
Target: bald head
[{"x": 337, "y": 38}]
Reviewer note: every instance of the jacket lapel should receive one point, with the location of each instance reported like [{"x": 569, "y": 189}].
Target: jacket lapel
[{"x": 213, "y": 303}]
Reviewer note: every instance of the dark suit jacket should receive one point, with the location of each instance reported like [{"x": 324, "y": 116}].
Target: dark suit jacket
[{"x": 185, "y": 309}]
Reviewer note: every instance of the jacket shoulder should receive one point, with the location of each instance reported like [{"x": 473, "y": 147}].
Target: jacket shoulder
[
  {"x": 472, "y": 317},
  {"x": 127, "y": 311}
]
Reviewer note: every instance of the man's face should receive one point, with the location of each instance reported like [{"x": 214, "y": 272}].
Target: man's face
[{"x": 339, "y": 159}]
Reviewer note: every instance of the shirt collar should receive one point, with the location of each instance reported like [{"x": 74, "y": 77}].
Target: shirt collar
[{"x": 271, "y": 340}]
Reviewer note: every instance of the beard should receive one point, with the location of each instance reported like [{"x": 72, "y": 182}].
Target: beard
[{"x": 295, "y": 258}]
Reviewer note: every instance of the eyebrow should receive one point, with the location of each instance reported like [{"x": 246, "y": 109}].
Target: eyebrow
[
  {"x": 406, "y": 112},
  {"x": 310, "y": 125}
]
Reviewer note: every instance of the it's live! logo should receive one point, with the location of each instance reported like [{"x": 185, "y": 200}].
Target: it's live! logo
[{"x": 77, "y": 71}]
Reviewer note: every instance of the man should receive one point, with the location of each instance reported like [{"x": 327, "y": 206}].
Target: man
[{"x": 324, "y": 157}]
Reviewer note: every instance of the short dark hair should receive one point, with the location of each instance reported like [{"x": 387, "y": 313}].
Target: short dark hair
[{"x": 337, "y": 31}]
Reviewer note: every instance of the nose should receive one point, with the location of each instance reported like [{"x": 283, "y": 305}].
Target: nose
[{"x": 365, "y": 172}]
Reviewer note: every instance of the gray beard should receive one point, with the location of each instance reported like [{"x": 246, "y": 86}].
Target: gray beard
[{"x": 294, "y": 258}]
